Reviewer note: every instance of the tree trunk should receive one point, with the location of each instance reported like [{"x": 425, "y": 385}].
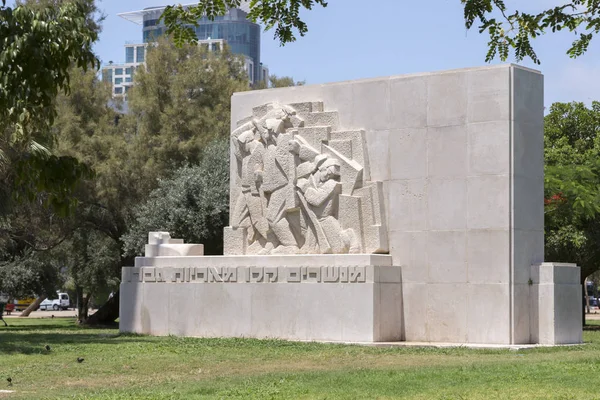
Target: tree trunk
[
  {"x": 82, "y": 309},
  {"x": 83, "y": 305},
  {"x": 587, "y": 297},
  {"x": 33, "y": 306},
  {"x": 107, "y": 314}
]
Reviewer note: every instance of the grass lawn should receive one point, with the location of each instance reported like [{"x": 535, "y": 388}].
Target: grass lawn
[{"x": 140, "y": 367}]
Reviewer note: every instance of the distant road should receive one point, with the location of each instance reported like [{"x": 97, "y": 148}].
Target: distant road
[{"x": 71, "y": 313}]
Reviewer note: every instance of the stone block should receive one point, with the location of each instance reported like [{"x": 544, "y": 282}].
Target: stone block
[
  {"x": 410, "y": 250},
  {"x": 447, "y": 257},
  {"x": 388, "y": 315},
  {"x": 446, "y": 152},
  {"x": 522, "y": 313},
  {"x": 315, "y": 135},
  {"x": 415, "y": 298},
  {"x": 543, "y": 307},
  {"x": 351, "y": 215},
  {"x": 131, "y": 306},
  {"x": 235, "y": 240},
  {"x": 408, "y": 102},
  {"x": 343, "y": 146},
  {"x": 372, "y": 110},
  {"x": 447, "y": 204},
  {"x": 556, "y": 303},
  {"x": 528, "y": 149},
  {"x": 326, "y": 118},
  {"x": 155, "y": 309},
  {"x": 555, "y": 273},
  {"x": 408, "y": 205},
  {"x": 378, "y": 154},
  {"x": 528, "y": 96},
  {"x": 338, "y": 97},
  {"x": 489, "y": 148},
  {"x": 408, "y": 153},
  {"x": 353, "y": 328},
  {"x": 567, "y": 313},
  {"x": 159, "y": 237},
  {"x": 356, "y": 146},
  {"x": 447, "y": 313},
  {"x": 260, "y": 111},
  {"x": 307, "y": 107},
  {"x": 488, "y": 256},
  {"x": 389, "y": 274},
  {"x": 488, "y": 313},
  {"x": 528, "y": 203},
  {"x": 173, "y": 250},
  {"x": 447, "y": 96},
  {"x": 566, "y": 274},
  {"x": 488, "y": 202},
  {"x": 488, "y": 94},
  {"x": 223, "y": 310},
  {"x": 528, "y": 249},
  {"x": 182, "y": 309}
]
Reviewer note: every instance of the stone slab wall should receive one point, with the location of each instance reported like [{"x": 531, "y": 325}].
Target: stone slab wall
[{"x": 460, "y": 155}]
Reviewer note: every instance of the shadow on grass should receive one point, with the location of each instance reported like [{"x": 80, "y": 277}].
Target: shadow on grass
[
  {"x": 591, "y": 328},
  {"x": 30, "y": 337},
  {"x": 34, "y": 343}
]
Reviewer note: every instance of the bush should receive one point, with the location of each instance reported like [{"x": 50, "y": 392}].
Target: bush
[{"x": 192, "y": 205}]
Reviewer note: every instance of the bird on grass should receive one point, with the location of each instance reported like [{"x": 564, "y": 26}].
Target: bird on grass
[
  {"x": 80, "y": 360},
  {"x": 52, "y": 316},
  {"x": 48, "y": 348},
  {"x": 9, "y": 380}
]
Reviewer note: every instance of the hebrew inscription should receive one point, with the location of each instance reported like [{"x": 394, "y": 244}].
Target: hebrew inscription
[
  {"x": 300, "y": 186},
  {"x": 325, "y": 274}
]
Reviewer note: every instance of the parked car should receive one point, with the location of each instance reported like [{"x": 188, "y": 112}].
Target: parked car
[{"x": 61, "y": 303}]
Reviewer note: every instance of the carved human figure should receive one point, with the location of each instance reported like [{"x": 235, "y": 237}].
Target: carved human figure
[
  {"x": 321, "y": 192},
  {"x": 267, "y": 179},
  {"x": 292, "y": 180}
]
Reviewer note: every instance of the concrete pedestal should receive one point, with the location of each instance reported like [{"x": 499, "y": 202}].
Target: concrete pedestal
[
  {"x": 556, "y": 303},
  {"x": 324, "y": 297}
]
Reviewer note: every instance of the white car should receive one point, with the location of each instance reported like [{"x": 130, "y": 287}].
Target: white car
[{"x": 61, "y": 303}]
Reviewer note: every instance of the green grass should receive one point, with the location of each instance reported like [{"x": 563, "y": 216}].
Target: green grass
[{"x": 141, "y": 367}]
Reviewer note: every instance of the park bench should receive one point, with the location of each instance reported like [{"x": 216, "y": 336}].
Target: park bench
[{"x": 2, "y": 305}]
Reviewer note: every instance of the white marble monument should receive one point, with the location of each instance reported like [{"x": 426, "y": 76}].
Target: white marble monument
[{"x": 405, "y": 208}]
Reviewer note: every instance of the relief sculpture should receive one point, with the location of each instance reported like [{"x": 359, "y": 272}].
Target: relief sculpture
[{"x": 300, "y": 186}]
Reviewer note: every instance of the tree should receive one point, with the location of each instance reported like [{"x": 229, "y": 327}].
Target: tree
[
  {"x": 507, "y": 29},
  {"x": 284, "y": 81},
  {"x": 572, "y": 185},
  {"x": 83, "y": 130},
  {"x": 37, "y": 49},
  {"x": 180, "y": 104},
  {"x": 278, "y": 82},
  {"x": 192, "y": 204}
]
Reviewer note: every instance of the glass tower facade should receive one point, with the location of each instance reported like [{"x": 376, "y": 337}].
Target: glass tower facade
[
  {"x": 242, "y": 35},
  {"x": 129, "y": 54}
]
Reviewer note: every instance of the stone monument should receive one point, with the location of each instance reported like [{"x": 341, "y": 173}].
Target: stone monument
[{"x": 405, "y": 208}]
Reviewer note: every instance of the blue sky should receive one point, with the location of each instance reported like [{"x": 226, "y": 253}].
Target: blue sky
[{"x": 348, "y": 40}]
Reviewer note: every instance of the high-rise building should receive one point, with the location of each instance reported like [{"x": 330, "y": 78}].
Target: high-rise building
[{"x": 233, "y": 28}]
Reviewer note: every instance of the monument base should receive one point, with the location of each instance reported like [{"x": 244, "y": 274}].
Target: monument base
[{"x": 345, "y": 298}]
